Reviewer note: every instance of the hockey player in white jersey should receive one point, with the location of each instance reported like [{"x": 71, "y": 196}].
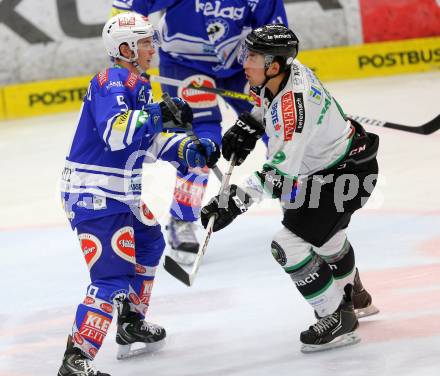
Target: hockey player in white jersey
[
  {"x": 321, "y": 166},
  {"x": 119, "y": 129}
]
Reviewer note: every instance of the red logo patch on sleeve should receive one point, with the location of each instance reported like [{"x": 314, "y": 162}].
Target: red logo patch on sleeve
[
  {"x": 288, "y": 113},
  {"x": 131, "y": 81},
  {"x": 102, "y": 77}
]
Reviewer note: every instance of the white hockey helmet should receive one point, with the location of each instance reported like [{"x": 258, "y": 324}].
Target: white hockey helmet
[{"x": 126, "y": 28}]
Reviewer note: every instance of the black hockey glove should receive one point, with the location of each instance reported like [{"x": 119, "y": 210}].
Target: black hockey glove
[
  {"x": 169, "y": 121},
  {"x": 241, "y": 138},
  {"x": 281, "y": 186},
  {"x": 226, "y": 207}
]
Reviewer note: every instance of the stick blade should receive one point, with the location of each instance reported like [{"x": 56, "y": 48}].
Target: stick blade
[
  {"x": 424, "y": 129},
  {"x": 172, "y": 267}
]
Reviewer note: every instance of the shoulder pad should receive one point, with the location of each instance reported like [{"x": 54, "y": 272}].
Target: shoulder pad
[{"x": 112, "y": 80}]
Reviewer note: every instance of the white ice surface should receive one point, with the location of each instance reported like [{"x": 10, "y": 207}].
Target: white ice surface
[{"x": 243, "y": 315}]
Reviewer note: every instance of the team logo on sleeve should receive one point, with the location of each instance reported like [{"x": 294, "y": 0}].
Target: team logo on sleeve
[
  {"x": 315, "y": 94},
  {"x": 123, "y": 243},
  {"x": 91, "y": 248},
  {"x": 197, "y": 98}
]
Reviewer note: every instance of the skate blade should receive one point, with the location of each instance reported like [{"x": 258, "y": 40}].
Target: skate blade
[
  {"x": 182, "y": 257},
  {"x": 345, "y": 340},
  {"x": 367, "y": 311},
  {"x": 127, "y": 351}
]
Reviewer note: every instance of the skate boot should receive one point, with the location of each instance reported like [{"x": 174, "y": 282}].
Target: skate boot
[
  {"x": 183, "y": 241},
  {"x": 136, "y": 336},
  {"x": 75, "y": 363},
  {"x": 363, "y": 306},
  {"x": 334, "y": 330}
]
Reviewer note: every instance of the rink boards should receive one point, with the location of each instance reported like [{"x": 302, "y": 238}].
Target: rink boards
[{"x": 338, "y": 63}]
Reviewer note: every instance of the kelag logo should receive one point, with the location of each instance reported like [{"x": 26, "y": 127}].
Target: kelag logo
[
  {"x": 399, "y": 58},
  {"x": 49, "y": 98}
]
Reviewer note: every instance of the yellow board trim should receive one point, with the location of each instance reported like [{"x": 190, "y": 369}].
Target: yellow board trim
[
  {"x": 2, "y": 104},
  {"x": 338, "y": 63},
  {"x": 375, "y": 59}
]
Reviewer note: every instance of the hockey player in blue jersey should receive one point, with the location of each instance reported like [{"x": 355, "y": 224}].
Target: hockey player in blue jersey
[
  {"x": 199, "y": 40},
  {"x": 119, "y": 129}
]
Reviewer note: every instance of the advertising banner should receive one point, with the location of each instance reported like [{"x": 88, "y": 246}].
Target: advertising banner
[{"x": 399, "y": 19}]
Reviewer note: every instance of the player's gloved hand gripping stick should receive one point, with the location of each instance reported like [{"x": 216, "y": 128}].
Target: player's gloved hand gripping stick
[
  {"x": 187, "y": 128},
  {"x": 172, "y": 266}
]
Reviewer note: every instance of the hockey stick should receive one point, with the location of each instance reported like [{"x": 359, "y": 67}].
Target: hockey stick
[
  {"x": 187, "y": 127},
  {"x": 172, "y": 267},
  {"x": 206, "y": 89},
  {"x": 425, "y": 129}
]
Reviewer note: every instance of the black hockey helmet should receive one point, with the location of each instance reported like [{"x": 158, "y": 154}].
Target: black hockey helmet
[{"x": 275, "y": 40}]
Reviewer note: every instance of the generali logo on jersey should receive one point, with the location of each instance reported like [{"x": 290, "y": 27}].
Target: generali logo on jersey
[
  {"x": 288, "y": 114},
  {"x": 91, "y": 247},
  {"x": 123, "y": 243},
  {"x": 94, "y": 327}
]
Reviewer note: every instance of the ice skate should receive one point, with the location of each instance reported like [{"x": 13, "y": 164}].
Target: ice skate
[
  {"x": 362, "y": 304},
  {"x": 334, "y": 330},
  {"x": 75, "y": 363},
  {"x": 183, "y": 241},
  {"x": 136, "y": 336}
]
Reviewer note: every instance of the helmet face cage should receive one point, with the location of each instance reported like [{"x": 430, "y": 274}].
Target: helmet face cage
[
  {"x": 243, "y": 56},
  {"x": 127, "y": 28}
]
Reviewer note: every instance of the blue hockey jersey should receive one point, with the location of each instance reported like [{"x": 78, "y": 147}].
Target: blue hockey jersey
[
  {"x": 117, "y": 131},
  {"x": 204, "y": 34}
]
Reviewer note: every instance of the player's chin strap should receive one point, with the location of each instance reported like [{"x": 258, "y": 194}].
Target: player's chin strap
[
  {"x": 267, "y": 78},
  {"x": 139, "y": 69}
]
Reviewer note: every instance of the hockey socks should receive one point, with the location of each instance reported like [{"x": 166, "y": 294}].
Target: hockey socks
[{"x": 315, "y": 282}]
